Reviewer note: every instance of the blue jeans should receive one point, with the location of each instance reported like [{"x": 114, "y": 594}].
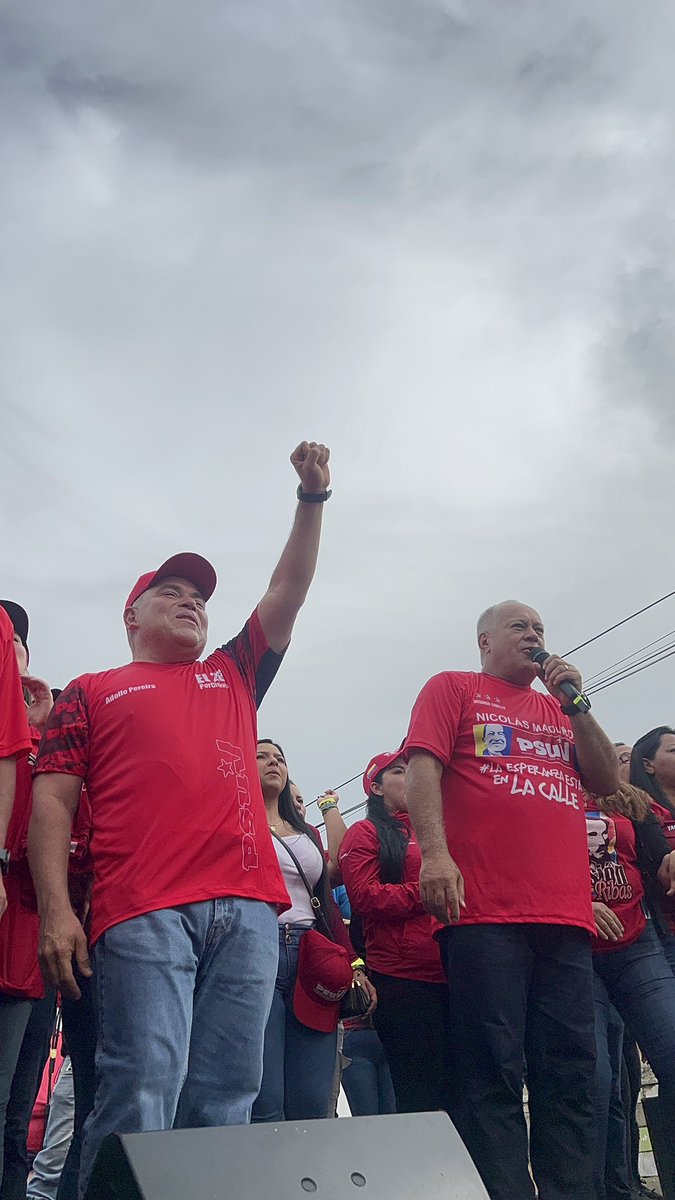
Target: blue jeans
[
  {"x": 49, "y": 1161},
  {"x": 611, "y": 1160},
  {"x": 638, "y": 981},
  {"x": 299, "y": 1062},
  {"x": 30, "y": 1065},
  {"x": 14, "y": 1015},
  {"x": 182, "y": 998},
  {"x": 366, "y": 1079}
]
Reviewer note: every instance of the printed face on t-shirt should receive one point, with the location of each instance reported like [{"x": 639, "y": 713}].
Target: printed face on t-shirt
[
  {"x": 506, "y": 647},
  {"x": 170, "y": 618},
  {"x": 601, "y": 833}
]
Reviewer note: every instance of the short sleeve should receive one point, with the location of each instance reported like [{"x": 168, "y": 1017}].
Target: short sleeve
[
  {"x": 15, "y": 739},
  {"x": 436, "y": 716},
  {"x": 64, "y": 749},
  {"x": 256, "y": 662}
]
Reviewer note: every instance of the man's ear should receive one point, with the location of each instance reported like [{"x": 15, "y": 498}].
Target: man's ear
[
  {"x": 130, "y": 618},
  {"x": 483, "y": 641}
]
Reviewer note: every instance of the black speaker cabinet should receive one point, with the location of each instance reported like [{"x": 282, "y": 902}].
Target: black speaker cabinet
[{"x": 417, "y": 1156}]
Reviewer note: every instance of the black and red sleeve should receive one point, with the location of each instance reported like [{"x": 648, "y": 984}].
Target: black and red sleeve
[
  {"x": 256, "y": 662},
  {"x": 64, "y": 749}
]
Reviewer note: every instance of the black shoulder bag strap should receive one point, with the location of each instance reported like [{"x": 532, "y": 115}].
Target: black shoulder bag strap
[{"x": 320, "y": 915}]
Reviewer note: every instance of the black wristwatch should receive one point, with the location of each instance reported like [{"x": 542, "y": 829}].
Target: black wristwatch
[
  {"x": 574, "y": 710},
  {"x": 4, "y": 861},
  {"x": 313, "y": 497}
]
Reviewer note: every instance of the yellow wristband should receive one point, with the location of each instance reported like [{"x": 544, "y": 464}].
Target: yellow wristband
[{"x": 358, "y": 964}]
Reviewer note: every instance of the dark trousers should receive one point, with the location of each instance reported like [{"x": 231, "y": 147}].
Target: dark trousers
[
  {"x": 524, "y": 992},
  {"x": 31, "y": 1062},
  {"x": 79, "y": 1035},
  {"x": 412, "y": 1020}
]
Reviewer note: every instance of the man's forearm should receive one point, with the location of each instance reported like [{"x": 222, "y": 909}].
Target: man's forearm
[
  {"x": 7, "y": 790},
  {"x": 425, "y": 804},
  {"x": 49, "y": 850},
  {"x": 295, "y": 570},
  {"x": 596, "y": 756},
  {"x": 335, "y": 832},
  {"x": 293, "y": 574}
]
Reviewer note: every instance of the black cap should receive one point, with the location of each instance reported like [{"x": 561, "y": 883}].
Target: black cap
[{"x": 19, "y": 618}]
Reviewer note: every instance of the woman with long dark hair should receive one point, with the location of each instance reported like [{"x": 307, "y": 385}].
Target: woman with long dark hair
[
  {"x": 299, "y": 1058},
  {"x": 380, "y": 862},
  {"x": 652, "y": 768}
]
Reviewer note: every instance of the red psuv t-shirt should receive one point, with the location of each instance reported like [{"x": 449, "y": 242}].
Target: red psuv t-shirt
[
  {"x": 20, "y": 974},
  {"x": 616, "y": 878},
  {"x": 14, "y": 733},
  {"x": 168, "y": 755},
  {"x": 512, "y": 798},
  {"x": 398, "y": 931}
]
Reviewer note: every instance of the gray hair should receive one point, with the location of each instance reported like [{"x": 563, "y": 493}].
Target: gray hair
[{"x": 488, "y": 619}]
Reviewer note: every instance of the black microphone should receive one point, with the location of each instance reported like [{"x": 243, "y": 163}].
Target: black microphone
[{"x": 580, "y": 702}]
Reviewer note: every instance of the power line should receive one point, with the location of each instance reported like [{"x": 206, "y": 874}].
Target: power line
[
  {"x": 619, "y": 624},
  {"x": 667, "y": 652},
  {"x": 337, "y": 789},
  {"x": 606, "y": 670}
]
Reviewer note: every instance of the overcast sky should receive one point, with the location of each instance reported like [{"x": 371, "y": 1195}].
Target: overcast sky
[{"x": 438, "y": 236}]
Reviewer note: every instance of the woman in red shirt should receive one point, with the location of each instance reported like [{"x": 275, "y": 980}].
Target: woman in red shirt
[
  {"x": 629, "y": 860},
  {"x": 652, "y": 768},
  {"x": 380, "y": 863}
]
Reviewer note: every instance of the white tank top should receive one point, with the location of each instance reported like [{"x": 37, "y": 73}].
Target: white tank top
[{"x": 311, "y": 861}]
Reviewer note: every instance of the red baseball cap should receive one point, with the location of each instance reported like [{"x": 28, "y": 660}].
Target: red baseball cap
[
  {"x": 378, "y": 764},
  {"x": 186, "y": 566},
  {"x": 324, "y": 977}
]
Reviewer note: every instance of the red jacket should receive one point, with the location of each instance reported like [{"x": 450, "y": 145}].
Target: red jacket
[{"x": 397, "y": 929}]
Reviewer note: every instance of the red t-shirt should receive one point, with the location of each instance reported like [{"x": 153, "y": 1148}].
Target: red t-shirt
[
  {"x": 616, "y": 878},
  {"x": 14, "y": 733},
  {"x": 667, "y": 822},
  {"x": 19, "y": 928},
  {"x": 398, "y": 931},
  {"x": 168, "y": 755},
  {"x": 512, "y": 798}
]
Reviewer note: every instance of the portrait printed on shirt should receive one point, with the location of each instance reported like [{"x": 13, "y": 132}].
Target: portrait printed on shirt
[
  {"x": 492, "y": 740},
  {"x": 608, "y": 876}
]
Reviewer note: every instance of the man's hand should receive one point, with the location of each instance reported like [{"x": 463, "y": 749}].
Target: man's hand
[
  {"x": 62, "y": 938},
  {"x": 555, "y": 672},
  {"x": 442, "y": 888},
  {"x": 310, "y": 460},
  {"x": 607, "y": 923},
  {"x": 667, "y": 873},
  {"x": 42, "y": 702},
  {"x": 3, "y": 898}
]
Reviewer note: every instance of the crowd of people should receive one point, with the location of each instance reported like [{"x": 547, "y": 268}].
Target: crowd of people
[{"x": 500, "y": 924}]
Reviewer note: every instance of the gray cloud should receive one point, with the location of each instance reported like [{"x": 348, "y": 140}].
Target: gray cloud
[{"x": 435, "y": 234}]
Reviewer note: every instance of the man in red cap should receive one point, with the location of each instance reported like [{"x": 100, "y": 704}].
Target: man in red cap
[{"x": 187, "y": 883}]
